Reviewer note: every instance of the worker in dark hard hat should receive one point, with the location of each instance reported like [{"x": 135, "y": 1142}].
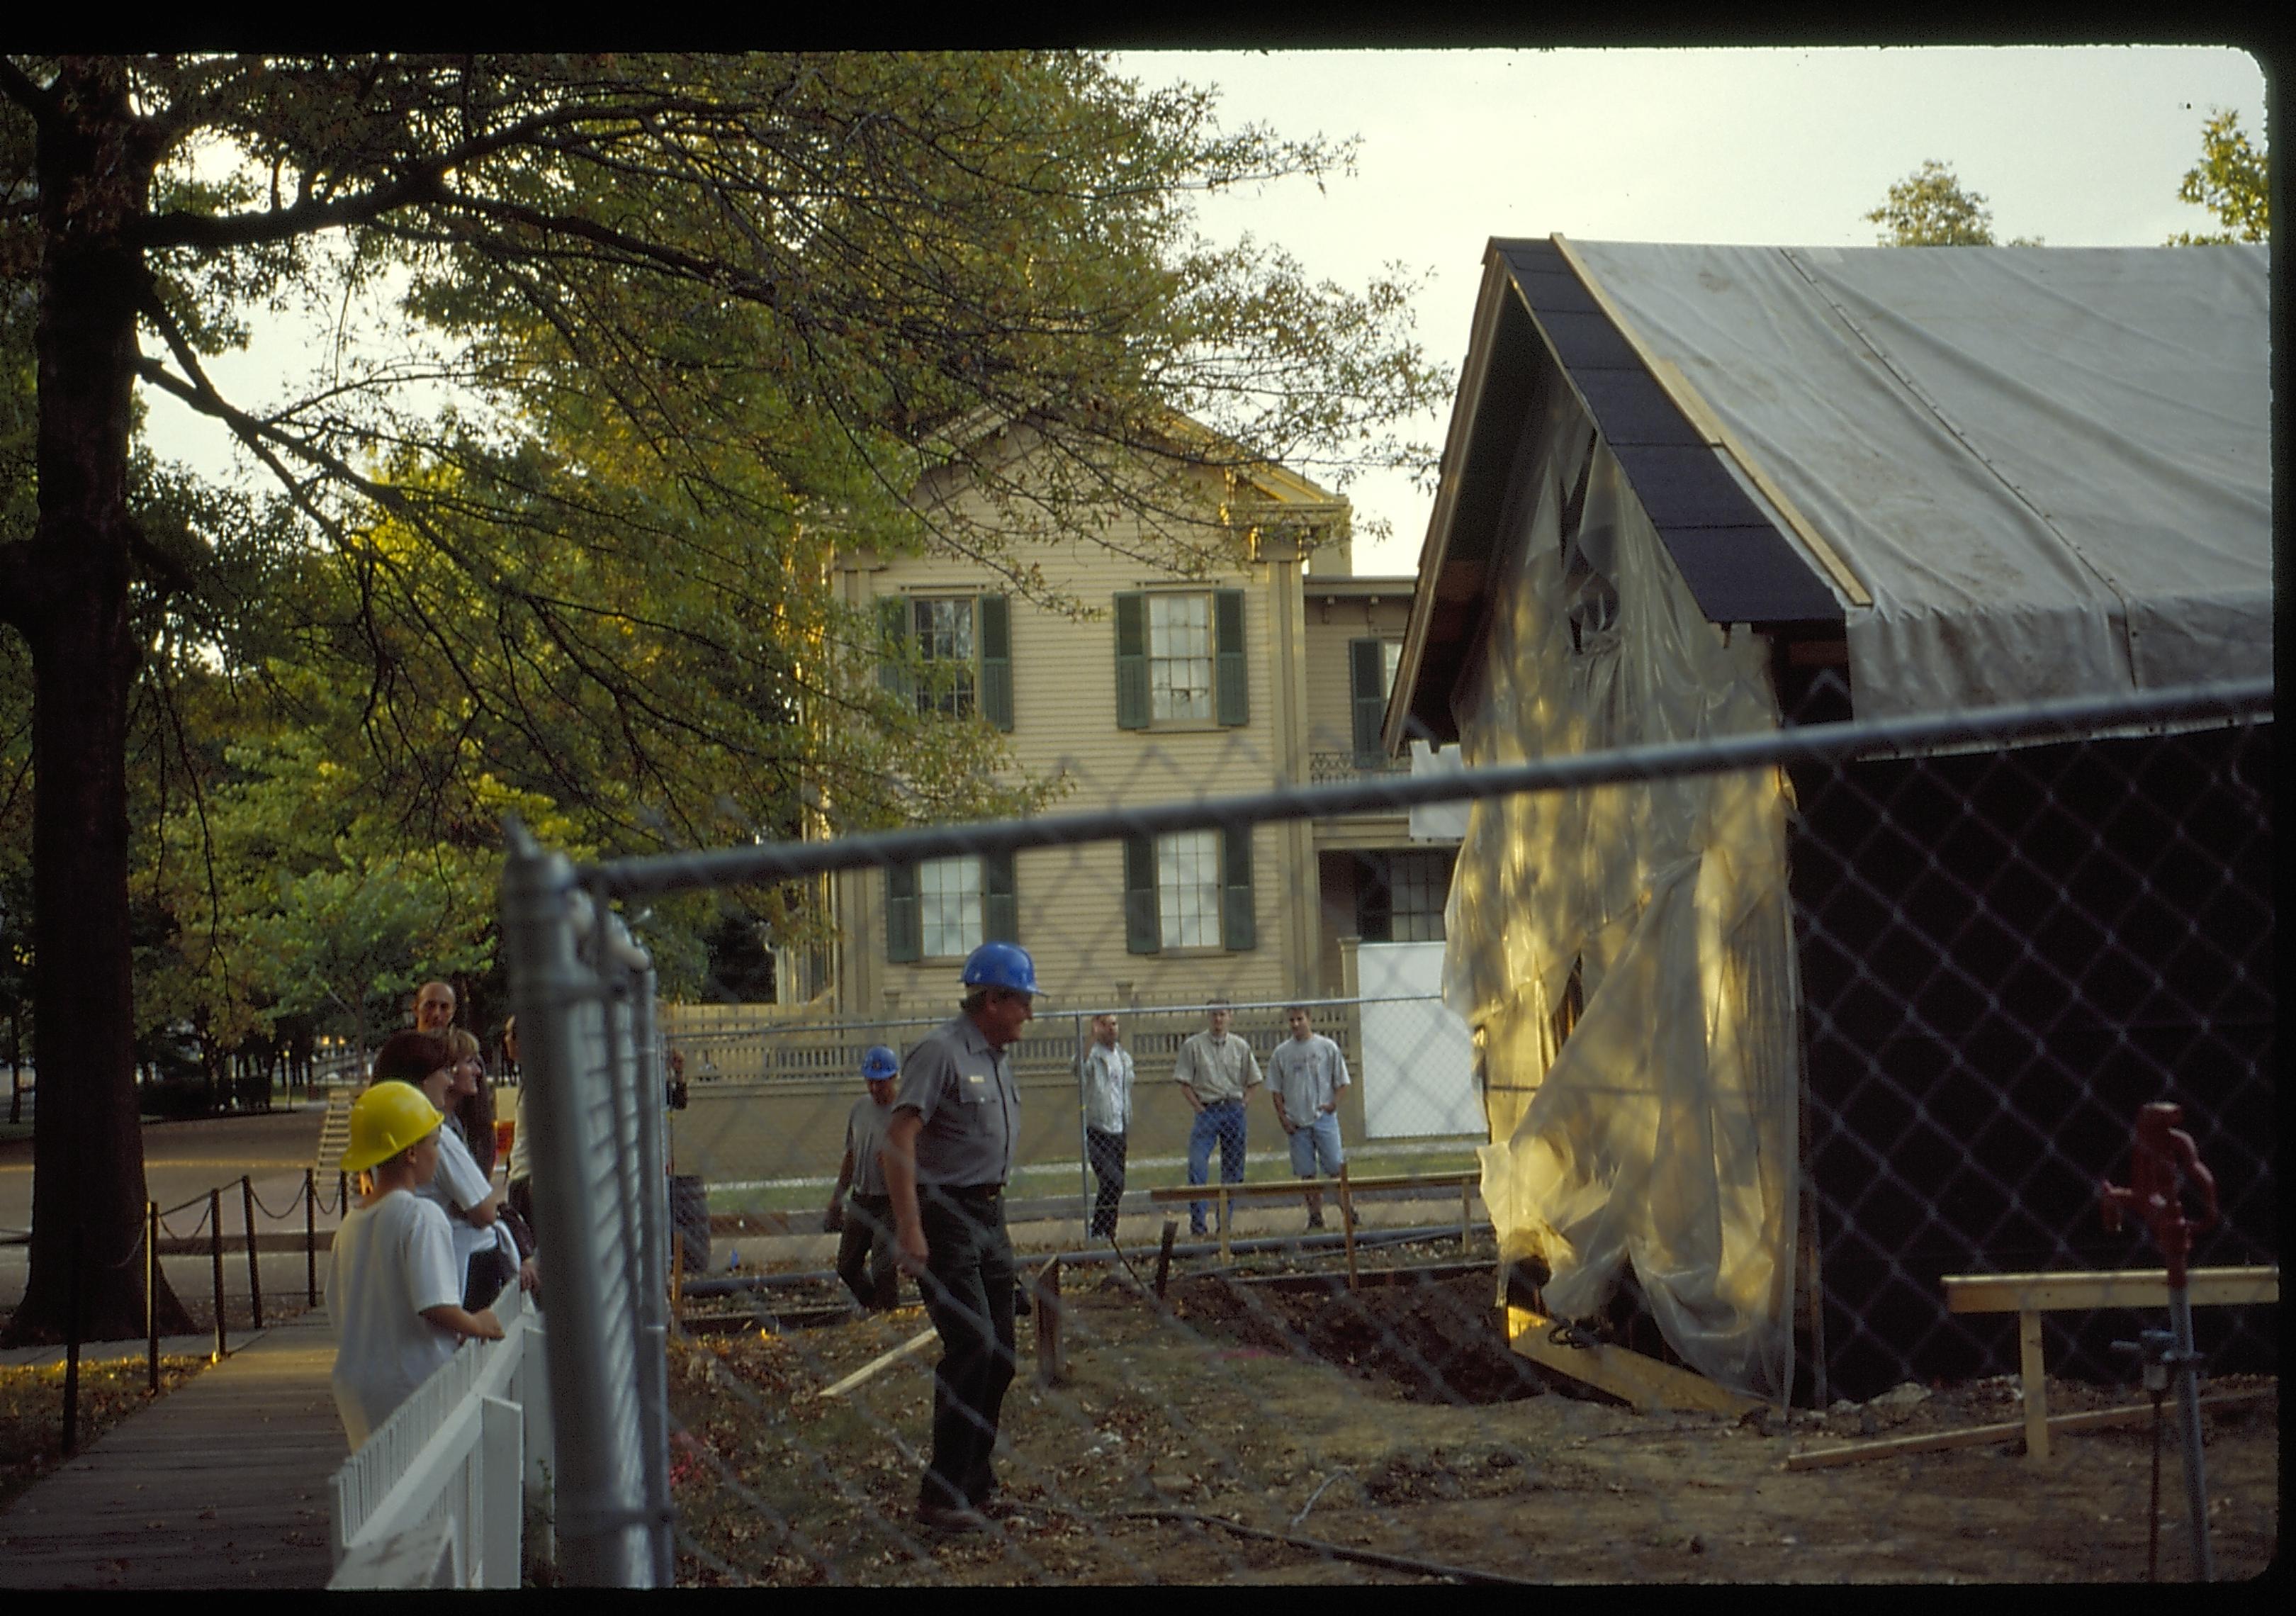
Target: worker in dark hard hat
[
  {"x": 949, "y": 1153},
  {"x": 865, "y": 1259}
]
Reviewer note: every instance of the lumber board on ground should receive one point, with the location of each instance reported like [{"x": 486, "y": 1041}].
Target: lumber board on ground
[
  {"x": 1644, "y": 1381},
  {"x": 1981, "y": 1436},
  {"x": 882, "y": 1361}
]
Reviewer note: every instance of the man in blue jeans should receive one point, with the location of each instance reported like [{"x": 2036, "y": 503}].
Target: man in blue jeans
[{"x": 1215, "y": 1070}]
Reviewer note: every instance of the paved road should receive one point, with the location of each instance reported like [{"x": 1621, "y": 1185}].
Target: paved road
[{"x": 181, "y": 1161}]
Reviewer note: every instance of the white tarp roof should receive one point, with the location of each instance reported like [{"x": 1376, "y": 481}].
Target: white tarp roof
[{"x": 2051, "y": 467}]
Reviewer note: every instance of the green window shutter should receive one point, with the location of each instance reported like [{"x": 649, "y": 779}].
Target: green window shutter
[
  {"x": 1366, "y": 673},
  {"x": 1238, "y": 929},
  {"x": 893, "y": 636},
  {"x": 1143, "y": 932},
  {"x": 905, "y": 941},
  {"x": 1131, "y": 661},
  {"x": 1000, "y": 903},
  {"x": 995, "y": 614},
  {"x": 1234, "y": 695}
]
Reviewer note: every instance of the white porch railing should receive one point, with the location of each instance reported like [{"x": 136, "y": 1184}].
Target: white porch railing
[{"x": 437, "y": 1496}]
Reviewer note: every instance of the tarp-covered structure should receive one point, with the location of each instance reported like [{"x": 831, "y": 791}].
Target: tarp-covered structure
[{"x": 1678, "y": 478}]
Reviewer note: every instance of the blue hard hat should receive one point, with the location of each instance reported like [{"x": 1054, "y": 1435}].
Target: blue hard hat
[
  {"x": 1001, "y": 965},
  {"x": 880, "y": 1064}
]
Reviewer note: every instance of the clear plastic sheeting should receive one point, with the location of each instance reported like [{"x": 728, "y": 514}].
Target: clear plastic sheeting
[
  {"x": 1625, "y": 953},
  {"x": 2050, "y": 467}
]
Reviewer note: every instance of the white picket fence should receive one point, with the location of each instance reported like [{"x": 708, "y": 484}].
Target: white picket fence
[{"x": 437, "y": 1496}]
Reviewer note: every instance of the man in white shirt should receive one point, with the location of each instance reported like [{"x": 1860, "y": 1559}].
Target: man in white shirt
[
  {"x": 1107, "y": 1119},
  {"x": 1306, "y": 1076}
]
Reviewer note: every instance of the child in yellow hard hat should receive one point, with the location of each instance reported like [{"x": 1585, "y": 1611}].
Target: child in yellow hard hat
[{"x": 394, "y": 1289}]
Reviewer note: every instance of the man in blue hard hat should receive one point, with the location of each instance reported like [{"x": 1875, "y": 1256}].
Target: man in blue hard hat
[
  {"x": 948, "y": 1154},
  {"x": 865, "y": 1256}
]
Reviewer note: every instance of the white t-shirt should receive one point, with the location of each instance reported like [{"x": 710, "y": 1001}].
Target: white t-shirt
[
  {"x": 460, "y": 1185},
  {"x": 391, "y": 1261},
  {"x": 521, "y": 1165}
]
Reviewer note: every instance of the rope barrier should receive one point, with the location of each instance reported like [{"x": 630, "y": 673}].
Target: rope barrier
[
  {"x": 204, "y": 1203},
  {"x": 267, "y": 1212}
]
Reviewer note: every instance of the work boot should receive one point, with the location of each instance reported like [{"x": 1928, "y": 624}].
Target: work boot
[
  {"x": 1314, "y": 1220},
  {"x": 949, "y": 1519}
]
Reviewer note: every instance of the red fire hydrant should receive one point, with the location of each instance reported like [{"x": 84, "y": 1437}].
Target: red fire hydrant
[{"x": 2161, "y": 1150}]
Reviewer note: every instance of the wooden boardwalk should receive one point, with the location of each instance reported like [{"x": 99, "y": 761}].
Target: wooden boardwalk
[{"x": 221, "y": 1484}]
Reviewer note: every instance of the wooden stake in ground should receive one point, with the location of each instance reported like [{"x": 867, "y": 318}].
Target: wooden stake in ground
[
  {"x": 1045, "y": 1302},
  {"x": 907, "y": 1349}
]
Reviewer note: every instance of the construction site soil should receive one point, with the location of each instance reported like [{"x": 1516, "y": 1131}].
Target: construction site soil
[{"x": 1262, "y": 1426}]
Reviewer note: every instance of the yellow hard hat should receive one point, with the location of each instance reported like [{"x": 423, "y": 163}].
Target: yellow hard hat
[{"x": 385, "y": 1121}]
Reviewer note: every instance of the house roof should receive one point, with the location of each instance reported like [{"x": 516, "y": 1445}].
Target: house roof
[{"x": 2006, "y": 474}]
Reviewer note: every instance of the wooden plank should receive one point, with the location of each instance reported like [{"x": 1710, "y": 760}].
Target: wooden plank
[
  {"x": 2112, "y": 1288},
  {"x": 1981, "y": 1436},
  {"x": 1644, "y": 1381},
  {"x": 907, "y": 1349},
  {"x": 1294, "y": 1189}
]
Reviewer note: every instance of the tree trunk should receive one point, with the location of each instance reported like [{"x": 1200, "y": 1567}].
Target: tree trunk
[{"x": 87, "y": 1146}]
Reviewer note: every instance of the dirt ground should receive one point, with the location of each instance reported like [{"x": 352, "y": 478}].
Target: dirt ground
[{"x": 1395, "y": 1425}]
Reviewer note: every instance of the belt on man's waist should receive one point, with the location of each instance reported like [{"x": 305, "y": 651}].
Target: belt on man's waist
[{"x": 980, "y": 1194}]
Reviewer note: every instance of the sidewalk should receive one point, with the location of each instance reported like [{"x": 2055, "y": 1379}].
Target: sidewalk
[{"x": 222, "y": 1484}]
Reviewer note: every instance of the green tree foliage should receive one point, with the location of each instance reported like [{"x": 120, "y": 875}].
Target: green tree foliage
[
  {"x": 611, "y": 356},
  {"x": 1930, "y": 207},
  {"x": 2232, "y": 180}
]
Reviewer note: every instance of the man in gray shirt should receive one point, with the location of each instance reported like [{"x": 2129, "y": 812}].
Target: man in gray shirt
[
  {"x": 1107, "y": 1119},
  {"x": 1306, "y": 1076},
  {"x": 867, "y": 1220},
  {"x": 1214, "y": 1070},
  {"x": 948, "y": 1154}
]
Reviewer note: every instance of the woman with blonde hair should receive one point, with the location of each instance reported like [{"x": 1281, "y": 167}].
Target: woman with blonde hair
[{"x": 472, "y": 1113}]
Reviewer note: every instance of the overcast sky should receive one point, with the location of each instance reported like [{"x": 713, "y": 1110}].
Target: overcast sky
[{"x": 2081, "y": 146}]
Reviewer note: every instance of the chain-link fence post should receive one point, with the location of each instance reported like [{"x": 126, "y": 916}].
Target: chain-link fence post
[{"x": 606, "y": 1519}]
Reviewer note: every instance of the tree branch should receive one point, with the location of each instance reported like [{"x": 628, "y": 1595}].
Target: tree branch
[{"x": 43, "y": 104}]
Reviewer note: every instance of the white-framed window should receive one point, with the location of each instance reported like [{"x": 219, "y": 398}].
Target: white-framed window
[
  {"x": 943, "y": 633},
  {"x": 1179, "y": 657},
  {"x": 948, "y": 907},
  {"x": 1188, "y": 889}
]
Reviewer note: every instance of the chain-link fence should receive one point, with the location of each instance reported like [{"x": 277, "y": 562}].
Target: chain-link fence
[{"x": 1722, "y": 1146}]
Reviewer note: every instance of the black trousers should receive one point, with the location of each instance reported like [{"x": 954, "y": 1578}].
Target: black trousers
[
  {"x": 967, "y": 1292},
  {"x": 1105, "y": 1152},
  {"x": 866, "y": 1253}
]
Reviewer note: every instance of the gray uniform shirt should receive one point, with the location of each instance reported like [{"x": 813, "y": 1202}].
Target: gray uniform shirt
[
  {"x": 970, "y": 1106},
  {"x": 1217, "y": 1069},
  {"x": 864, "y": 1136},
  {"x": 1108, "y": 1088},
  {"x": 1309, "y": 1076}
]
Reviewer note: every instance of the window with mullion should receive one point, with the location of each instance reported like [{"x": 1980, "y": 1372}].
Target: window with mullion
[
  {"x": 1188, "y": 889},
  {"x": 1179, "y": 656},
  {"x": 943, "y": 630},
  {"x": 949, "y": 907}
]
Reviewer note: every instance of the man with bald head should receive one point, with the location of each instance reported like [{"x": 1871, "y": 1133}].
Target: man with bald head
[{"x": 434, "y": 1008}]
